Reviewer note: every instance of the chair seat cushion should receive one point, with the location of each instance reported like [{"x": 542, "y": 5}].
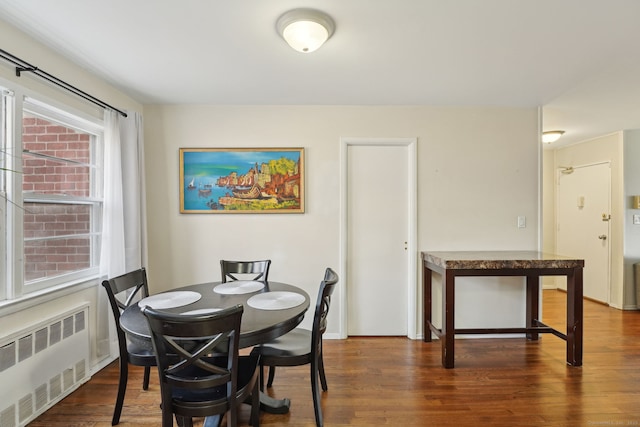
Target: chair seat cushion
[{"x": 296, "y": 343}]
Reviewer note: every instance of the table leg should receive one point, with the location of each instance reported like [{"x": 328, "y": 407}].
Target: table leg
[
  {"x": 574, "y": 317},
  {"x": 426, "y": 303},
  {"x": 533, "y": 305},
  {"x": 448, "y": 326}
]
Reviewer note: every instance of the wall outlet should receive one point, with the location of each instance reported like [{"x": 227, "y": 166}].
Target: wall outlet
[{"x": 636, "y": 219}]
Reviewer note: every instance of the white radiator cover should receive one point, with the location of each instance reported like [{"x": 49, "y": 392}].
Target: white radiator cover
[{"x": 42, "y": 364}]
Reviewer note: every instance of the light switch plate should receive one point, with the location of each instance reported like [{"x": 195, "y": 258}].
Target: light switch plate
[
  {"x": 522, "y": 222},
  {"x": 636, "y": 219}
]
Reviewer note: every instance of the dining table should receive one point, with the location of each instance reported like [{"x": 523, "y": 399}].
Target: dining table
[{"x": 271, "y": 309}]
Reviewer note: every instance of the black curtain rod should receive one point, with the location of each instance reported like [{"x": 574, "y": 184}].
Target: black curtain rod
[{"x": 24, "y": 67}]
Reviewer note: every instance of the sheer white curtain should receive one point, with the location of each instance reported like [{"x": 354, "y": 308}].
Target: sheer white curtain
[
  {"x": 135, "y": 214},
  {"x": 124, "y": 223}
]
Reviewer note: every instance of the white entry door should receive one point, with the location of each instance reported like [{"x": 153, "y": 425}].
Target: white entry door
[
  {"x": 377, "y": 235},
  {"x": 583, "y": 209}
]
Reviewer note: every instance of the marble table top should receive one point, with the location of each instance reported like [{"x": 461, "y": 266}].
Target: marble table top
[{"x": 494, "y": 260}]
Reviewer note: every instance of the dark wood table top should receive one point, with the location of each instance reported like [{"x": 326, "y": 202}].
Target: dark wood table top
[{"x": 258, "y": 326}]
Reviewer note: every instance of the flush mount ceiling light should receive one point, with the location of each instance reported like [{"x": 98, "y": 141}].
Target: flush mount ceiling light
[
  {"x": 305, "y": 30},
  {"x": 551, "y": 136}
]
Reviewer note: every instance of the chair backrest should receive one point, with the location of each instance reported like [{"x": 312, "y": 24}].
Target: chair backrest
[
  {"x": 240, "y": 270},
  {"x": 134, "y": 286},
  {"x": 323, "y": 302},
  {"x": 196, "y": 354}
]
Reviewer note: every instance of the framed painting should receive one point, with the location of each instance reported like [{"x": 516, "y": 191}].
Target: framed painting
[{"x": 241, "y": 180}]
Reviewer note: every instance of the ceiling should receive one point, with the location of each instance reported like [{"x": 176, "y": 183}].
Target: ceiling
[{"x": 578, "y": 59}]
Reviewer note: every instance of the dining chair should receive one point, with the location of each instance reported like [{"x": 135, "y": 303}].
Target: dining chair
[
  {"x": 208, "y": 377},
  {"x": 238, "y": 270},
  {"x": 133, "y": 286},
  {"x": 302, "y": 346}
]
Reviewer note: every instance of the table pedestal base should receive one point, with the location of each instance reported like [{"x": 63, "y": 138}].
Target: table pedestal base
[
  {"x": 274, "y": 406},
  {"x": 267, "y": 404}
]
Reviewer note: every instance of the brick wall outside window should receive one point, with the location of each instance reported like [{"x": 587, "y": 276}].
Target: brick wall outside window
[{"x": 69, "y": 177}]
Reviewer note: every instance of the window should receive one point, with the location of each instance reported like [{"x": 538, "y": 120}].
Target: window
[{"x": 53, "y": 200}]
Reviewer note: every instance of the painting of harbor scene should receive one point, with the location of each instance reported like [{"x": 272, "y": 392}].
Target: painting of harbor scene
[{"x": 241, "y": 180}]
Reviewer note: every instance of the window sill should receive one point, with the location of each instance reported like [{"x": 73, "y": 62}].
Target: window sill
[{"x": 36, "y": 298}]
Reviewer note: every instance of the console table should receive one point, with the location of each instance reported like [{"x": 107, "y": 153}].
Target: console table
[{"x": 529, "y": 264}]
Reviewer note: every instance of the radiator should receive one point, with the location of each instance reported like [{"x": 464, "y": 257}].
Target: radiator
[{"x": 42, "y": 364}]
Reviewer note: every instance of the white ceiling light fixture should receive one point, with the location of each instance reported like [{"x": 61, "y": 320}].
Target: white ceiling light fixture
[
  {"x": 305, "y": 30},
  {"x": 551, "y": 136}
]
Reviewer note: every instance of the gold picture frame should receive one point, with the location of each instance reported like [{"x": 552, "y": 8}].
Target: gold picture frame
[{"x": 241, "y": 180}]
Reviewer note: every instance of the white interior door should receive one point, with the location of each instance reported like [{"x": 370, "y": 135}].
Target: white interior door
[
  {"x": 583, "y": 209},
  {"x": 378, "y": 232}
]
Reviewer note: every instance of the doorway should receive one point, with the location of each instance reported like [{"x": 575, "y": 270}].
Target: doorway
[
  {"x": 378, "y": 238},
  {"x": 583, "y": 214}
]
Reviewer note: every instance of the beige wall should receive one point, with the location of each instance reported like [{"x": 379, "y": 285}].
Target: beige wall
[{"x": 477, "y": 172}]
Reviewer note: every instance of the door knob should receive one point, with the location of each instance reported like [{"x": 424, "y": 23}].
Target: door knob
[{"x": 602, "y": 237}]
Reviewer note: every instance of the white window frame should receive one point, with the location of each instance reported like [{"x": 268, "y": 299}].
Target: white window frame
[
  {"x": 6, "y": 109},
  {"x": 12, "y": 275}
]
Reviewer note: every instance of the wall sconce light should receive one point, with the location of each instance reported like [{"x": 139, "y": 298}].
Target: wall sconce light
[
  {"x": 551, "y": 136},
  {"x": 305, "y": 30}
]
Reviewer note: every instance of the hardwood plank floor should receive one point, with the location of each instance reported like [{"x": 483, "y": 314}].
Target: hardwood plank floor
[{"x": 377, "y": 381}]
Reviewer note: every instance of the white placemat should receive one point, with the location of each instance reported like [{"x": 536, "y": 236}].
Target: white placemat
[
  {"x": 170, "y": 299},
  {"x": 278, "y": 300},
  {"x": 239, "y": 287},
  {"x": 201, "y": 311}
]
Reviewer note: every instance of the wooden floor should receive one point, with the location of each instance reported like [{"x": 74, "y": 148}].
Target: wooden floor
[{"x": 396, "y": 381}]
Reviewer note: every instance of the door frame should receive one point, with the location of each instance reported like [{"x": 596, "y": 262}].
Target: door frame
[{"x": 412, "y": 221}]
